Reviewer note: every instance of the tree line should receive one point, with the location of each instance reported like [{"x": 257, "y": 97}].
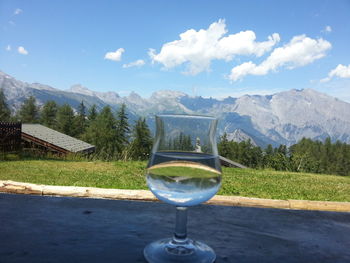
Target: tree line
[
  {"x": 305, "y": 156},
  {"x": 115, "y": 138},
  {"x": 110, "y": 132}
]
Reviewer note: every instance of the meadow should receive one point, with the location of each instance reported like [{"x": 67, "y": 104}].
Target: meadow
[{"x": 131, "y": 175}]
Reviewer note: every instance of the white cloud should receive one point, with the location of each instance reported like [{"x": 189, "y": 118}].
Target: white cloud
[
  {"x": 199, "y": 48},
  {"x": 300, "y": 51},
  {"x": 327, "y": 29},
  {"x": 137, "y": 63},
  {"x": 115, "y": 56},
  {"x": 340, "y": 71},
  {"x": 8, "y": 48},
  {"x": 18, "y": 11},
  {"x": 22, "y": 50}
]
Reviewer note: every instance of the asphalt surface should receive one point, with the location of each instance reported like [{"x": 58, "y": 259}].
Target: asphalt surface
[{"x": 63, "y": 229}]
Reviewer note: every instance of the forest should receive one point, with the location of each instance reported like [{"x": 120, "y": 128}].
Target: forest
[{"x": 116, "y": 139}]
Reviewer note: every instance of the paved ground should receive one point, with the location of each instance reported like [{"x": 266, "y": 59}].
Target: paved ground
[{"x": 63, "y": 229}]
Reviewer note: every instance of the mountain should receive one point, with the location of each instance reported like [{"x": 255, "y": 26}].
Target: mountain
[
  {"x": 239, "y": 136},
  {"x": 17, "y": 91},
  {"x": 107, "y": 97},
  {"x": 281, "y": 118}
]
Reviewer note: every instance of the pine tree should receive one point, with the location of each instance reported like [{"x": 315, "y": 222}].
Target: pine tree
[
  {"x": 65, "y": 118},
  {"x": 268, "y": 156},
  {"x": 282, "y": 149},
  {"x": 223, "y": 146},
  {"x": 80, "y": 122},
  {"x": 245, "y": 153},
  {"x": 187, "y": 143},
  {"x": 102, "y": 133},
  {"x": 48, "y": 114},
  {"x": 269, "y": 150},
  {"x": 5, "y": 112},
  {"x": 257, "y": 154},
  {"x": 123, "y": 129},
  {"x": 327, "y": 156},
  {"x": 142, "y": 141},
  {"x": 92, "y": 113},
  {"x": 29, "y": 112}
]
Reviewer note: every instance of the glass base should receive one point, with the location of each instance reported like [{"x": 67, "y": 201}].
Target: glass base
[{"x": 169, "y": 250}]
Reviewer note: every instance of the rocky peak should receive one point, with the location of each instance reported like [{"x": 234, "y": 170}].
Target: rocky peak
[
  {"x": 78, "y": 88},
  {"x": 239, "y": 136}
]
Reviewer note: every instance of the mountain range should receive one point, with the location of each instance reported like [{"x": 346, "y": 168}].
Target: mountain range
[{"x": 280, "y": 118}]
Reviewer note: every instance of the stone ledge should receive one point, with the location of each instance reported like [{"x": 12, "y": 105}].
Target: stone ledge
[
  {"x": 145, "y": 195},
  {"x": 248, "y": 201}
]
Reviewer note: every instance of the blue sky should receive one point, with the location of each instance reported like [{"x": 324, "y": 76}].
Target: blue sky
[{"x": 206, "y": 48}]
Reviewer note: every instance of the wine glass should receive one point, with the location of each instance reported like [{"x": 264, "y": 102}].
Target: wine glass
[{"x": 184, "y": 170}]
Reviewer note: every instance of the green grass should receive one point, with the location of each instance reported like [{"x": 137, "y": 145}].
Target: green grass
[
  {"x": 285, "y": 185},
  {"x": 130, "y": 175}
]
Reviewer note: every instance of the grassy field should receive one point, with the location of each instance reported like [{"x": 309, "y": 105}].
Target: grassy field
[{"x": 130, "y": 175}]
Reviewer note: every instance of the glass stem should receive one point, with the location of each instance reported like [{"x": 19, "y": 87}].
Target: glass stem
[{"x": 180, "y": 234}]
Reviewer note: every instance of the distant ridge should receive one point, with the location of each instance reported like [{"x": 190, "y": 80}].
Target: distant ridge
[{"x": 280, "y": 118}]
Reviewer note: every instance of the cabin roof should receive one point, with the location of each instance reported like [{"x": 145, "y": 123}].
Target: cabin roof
[
  {"x": 46, "y": 136},
  {"x": 229, "y": 163}
]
